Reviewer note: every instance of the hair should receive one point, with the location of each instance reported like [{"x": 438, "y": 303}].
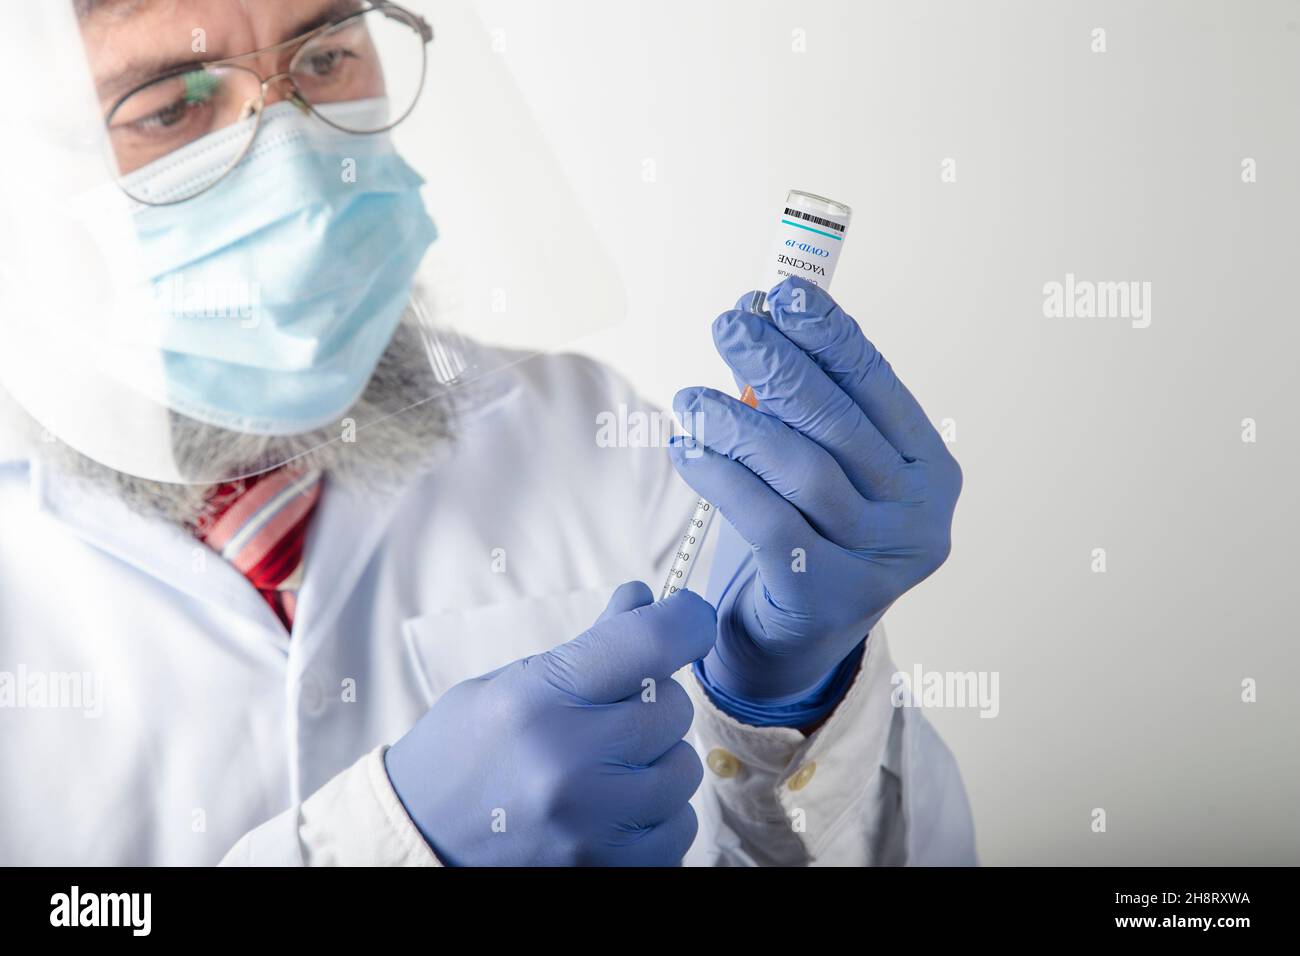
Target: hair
[{"x": 404, "y": 417}]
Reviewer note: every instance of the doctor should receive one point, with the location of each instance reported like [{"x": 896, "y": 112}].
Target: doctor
[{"x": 428, "y": 644}]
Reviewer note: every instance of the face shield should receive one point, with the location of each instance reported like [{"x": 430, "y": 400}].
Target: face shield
[{"x": 221, "y": 215}]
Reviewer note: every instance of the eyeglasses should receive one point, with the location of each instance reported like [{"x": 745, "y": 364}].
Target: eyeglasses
[{"x": 379, "y": 53}]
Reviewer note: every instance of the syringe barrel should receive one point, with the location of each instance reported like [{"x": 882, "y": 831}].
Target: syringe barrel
[{"x": 688, "y": 548}]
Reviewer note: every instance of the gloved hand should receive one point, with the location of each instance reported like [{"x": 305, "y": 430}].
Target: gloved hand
[
  {"x": 560, "y": 759},
  {"x": 839, "y": 483}
]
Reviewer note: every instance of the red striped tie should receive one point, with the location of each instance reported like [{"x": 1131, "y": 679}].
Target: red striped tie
[{"x": 259, "y": 525}]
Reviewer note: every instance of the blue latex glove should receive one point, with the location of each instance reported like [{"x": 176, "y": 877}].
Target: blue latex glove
[
  {"x": 564, "y": 750},
  {"x": 841, "y": 462}
]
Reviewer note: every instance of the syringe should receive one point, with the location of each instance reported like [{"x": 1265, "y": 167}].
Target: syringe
[{"x": 808, "y": 243}]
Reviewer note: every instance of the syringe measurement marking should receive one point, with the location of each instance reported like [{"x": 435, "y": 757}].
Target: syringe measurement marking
[{"x": 696, "y": 530}]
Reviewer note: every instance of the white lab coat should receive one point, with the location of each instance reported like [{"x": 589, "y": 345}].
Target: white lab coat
[{"x": 220, "y": 736}]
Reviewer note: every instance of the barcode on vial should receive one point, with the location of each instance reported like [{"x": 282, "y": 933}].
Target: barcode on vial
[{"x": 809, "y": 217}]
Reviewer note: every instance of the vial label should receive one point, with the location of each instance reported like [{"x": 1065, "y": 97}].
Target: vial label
[{"x": 807, "y": 245}]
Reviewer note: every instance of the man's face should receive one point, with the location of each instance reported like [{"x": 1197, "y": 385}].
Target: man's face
[
  {"x": 130, "y": 43},
  {"x": 152, "y": 62}
]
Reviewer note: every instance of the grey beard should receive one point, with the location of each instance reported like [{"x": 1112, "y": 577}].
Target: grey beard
[{"x": 404, "y": 416}]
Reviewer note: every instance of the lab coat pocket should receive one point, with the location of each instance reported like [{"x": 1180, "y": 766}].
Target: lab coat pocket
[{"x": 448, "y": 647}]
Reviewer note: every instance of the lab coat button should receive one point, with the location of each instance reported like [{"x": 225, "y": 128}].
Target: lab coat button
[
  {"x": 723, "y": 763},
  {"x": 802, "y": 776},
  {"x": 312, "y": 697}
]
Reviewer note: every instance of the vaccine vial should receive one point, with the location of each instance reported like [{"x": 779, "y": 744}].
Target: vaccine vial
[{"x": 809, "y": 236}]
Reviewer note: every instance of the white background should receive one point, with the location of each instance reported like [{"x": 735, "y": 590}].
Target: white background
[{"x": 1119, "y": 690}]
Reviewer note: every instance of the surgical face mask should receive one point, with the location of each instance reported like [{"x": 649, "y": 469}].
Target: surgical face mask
[{"x": 277, "y": 291}]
